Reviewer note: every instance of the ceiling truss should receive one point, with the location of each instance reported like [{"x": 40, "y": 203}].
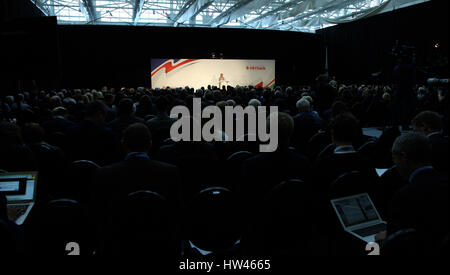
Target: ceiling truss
[{"x": 291, "y": 15}]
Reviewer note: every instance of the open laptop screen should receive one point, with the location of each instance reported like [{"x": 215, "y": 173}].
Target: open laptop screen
[
  {"x": 356, "y": 210},
  {"x": 18, "y": 186}
]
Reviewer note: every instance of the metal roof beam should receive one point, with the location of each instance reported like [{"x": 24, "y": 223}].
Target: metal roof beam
[
  {"x": 88, "y": 9},
  {"x": 239, "y": 9},
  {"x": 137, "y": 10}
]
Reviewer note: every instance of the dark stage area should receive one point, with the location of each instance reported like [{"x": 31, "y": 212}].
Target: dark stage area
[{"x": 96, "y": 55}]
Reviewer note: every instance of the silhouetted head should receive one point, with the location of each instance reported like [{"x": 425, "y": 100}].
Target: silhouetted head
[
  {"x": 96, "y": 111},
  {"x": 10, "y": 134},
  {"x": 338, "y": 108},
  {"x": 137, "y": 138},
  {"x": 427, "y": 122},
  {"x": 303, "y": 105},
  {"x": 161, "y": 104},
  {"x": 33, "y": 133},
  {"x": 410, "y": 152},
  {"x": 344, "y": 129},
  {"x": 126, "y": 107}
]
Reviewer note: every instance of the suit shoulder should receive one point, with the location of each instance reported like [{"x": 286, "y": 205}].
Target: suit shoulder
[
  {"x": 111, "y": 167},
  {"x": 161, "y": 164}
]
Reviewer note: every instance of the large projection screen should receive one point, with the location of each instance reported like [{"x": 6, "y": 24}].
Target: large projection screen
[{"x": 197, "y": 73}]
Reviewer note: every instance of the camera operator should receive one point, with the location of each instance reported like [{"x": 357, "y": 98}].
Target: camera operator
[{"x": 404, "y": 77}]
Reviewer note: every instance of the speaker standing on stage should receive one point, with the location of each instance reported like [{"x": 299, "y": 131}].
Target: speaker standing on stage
[{"x": 222, "y": 81}]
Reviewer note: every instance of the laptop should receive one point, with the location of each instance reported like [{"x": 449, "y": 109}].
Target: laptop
[
  {"x": 359, "y": 216},
  {"x": 19, "y": 189}
]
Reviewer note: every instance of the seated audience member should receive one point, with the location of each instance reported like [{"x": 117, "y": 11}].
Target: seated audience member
[
  {"x": 306, "y": 124},
  {"x": 265, "y": 170},
  {"x": 231, "y": 102},
  {"x": 254, "y": 102},
  {"x": 423, "y": 203},
  {"x": 197, "y": 161},
  {"x": 125, "y": 116},
  {"x": 109, "y": 103},
  {"x": 430, "y": 124},
  {"x": 145, "y": 106},
  {"x": 137, "y": 171},
  {"x": 20, "y": 104},
  {"x": 59, "y": 122},
  {"x": 14, "y": 154},
  {"x": 91, "y": 139},
  {"x": 162, "y": 121},
  {"x": 54, "y": 102},
  {"x": 344, "y": 158},
  {"x": 311, "y": 104},
  {"x": 324, "y": 94},
  {"x": 337, "y": 108},
  {"x": 50, "y": 160}
]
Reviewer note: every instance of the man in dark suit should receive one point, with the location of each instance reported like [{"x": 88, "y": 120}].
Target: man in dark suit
[
  {"x": 137, "y": 172},
  {"x": 261, "y": 173},
  {"x": 344, "y": 158},
  {"x": 197, "y": 162},
  {"x": 265, "y": 170},
  {"x": 91, "y": 139},
  {"x": 109, "y": 102},
  {"x": 161, "y": 121},
  {"x": 430, "y": 124},
  {"x": 125, "y": 116},
  {"x": 324, "y": 94},
  {"x": 306, "y": 124},
  {"x": 423, "y": 203}
]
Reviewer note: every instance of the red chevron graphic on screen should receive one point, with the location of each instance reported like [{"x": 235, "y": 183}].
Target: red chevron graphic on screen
[
  {"x": 170, "y": 67},
  {"x": 270, "y": 83},
  {"x": 260, "y": 84}
]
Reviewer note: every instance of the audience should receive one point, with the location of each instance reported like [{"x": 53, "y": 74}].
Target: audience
[{"x": 127, "y": 133}]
